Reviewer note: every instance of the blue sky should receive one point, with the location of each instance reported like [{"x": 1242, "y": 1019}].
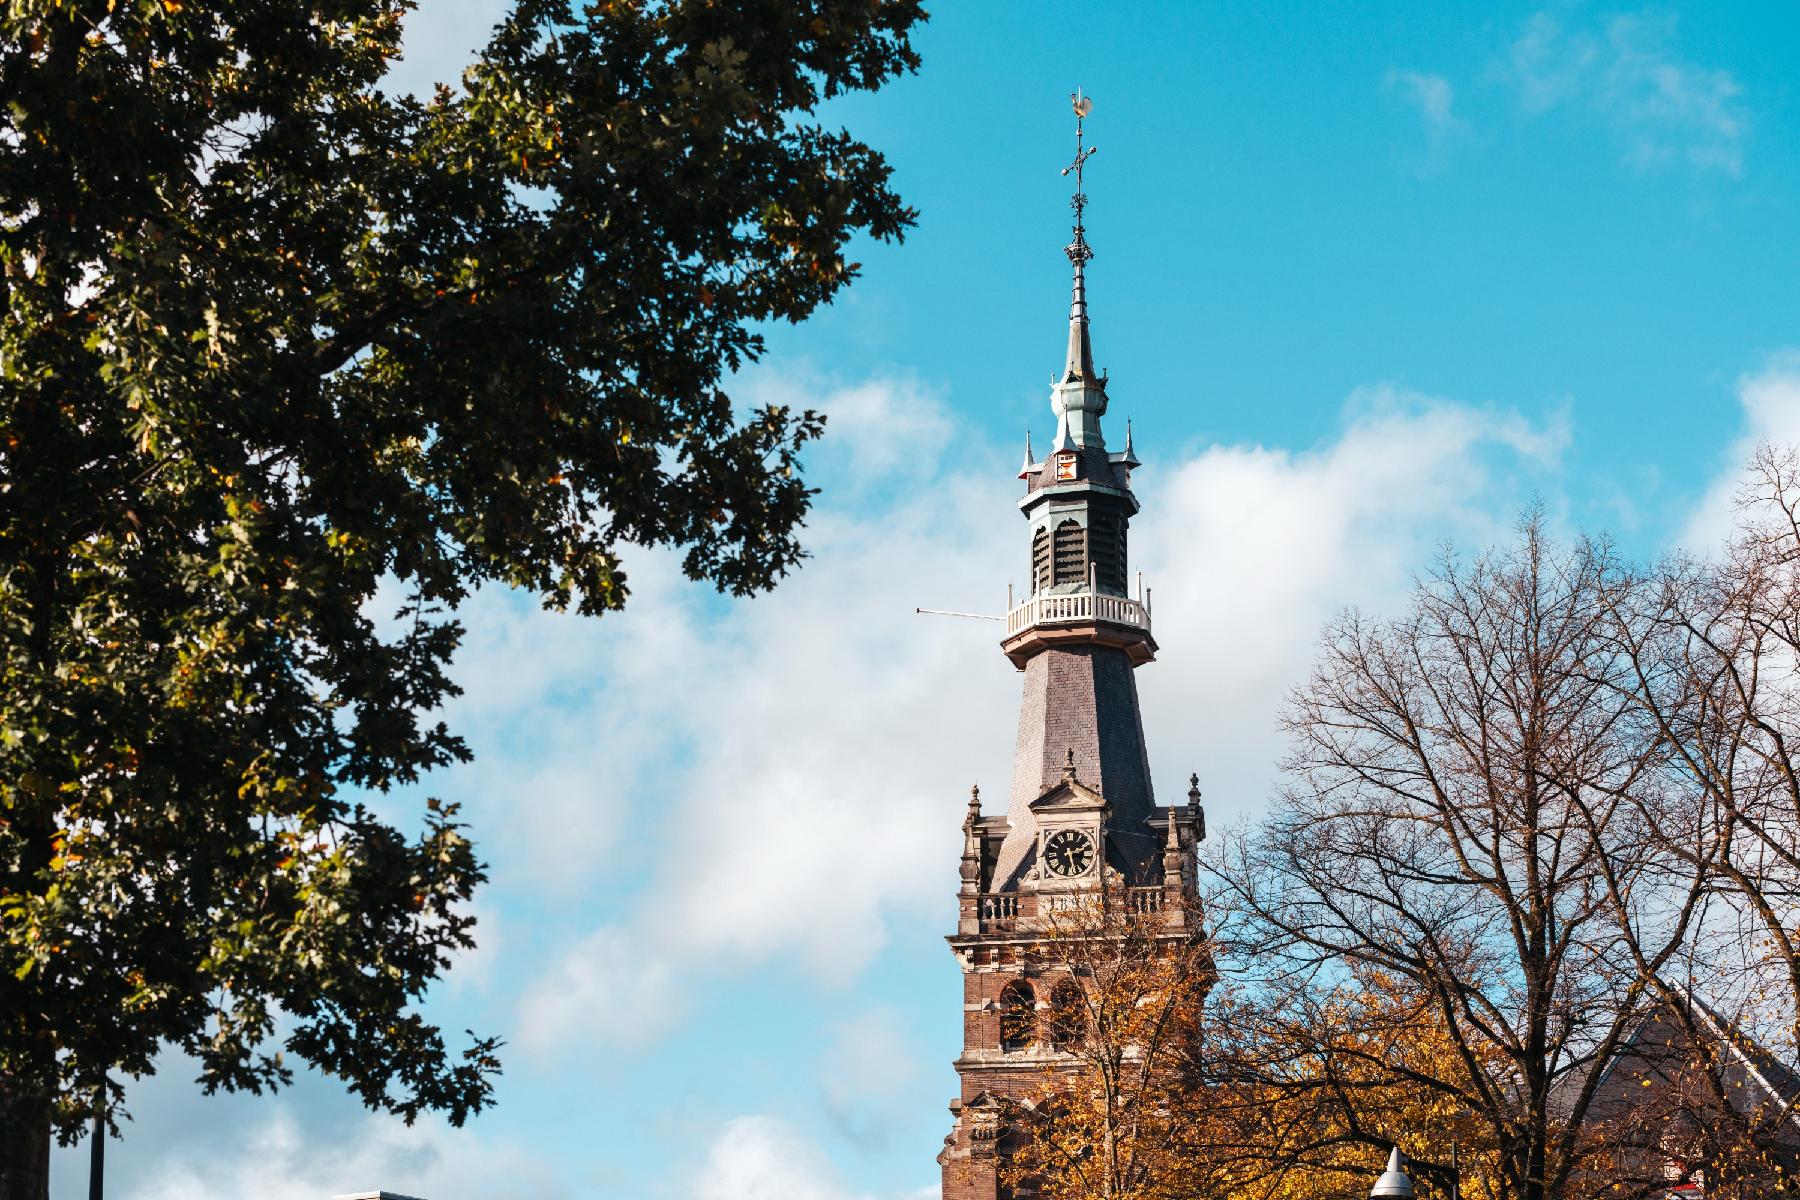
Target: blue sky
[{"x": 1365, "y": 281}]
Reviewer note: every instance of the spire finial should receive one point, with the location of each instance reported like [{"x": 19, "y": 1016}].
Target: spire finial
[
  {"x": 1080, "y": 361},
  {"x": 970, "y": 870},
  {"x": 1069, "y": 765}
]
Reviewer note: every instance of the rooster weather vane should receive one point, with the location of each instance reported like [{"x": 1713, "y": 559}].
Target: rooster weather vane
[{"x": 1078, "y": 250}]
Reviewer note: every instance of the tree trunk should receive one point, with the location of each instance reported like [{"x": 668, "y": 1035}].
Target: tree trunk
[
  {"x": 24, "y": 1145},
  {"x": 97, "y": 1148}
]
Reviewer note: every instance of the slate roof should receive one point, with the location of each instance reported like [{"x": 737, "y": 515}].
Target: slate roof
[
  {"x": 1082, "y": 698},
  {"x": 1652, "y": 1049}
]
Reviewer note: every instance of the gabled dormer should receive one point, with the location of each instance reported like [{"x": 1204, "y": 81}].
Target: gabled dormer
[{"x": 1070, "y": 818}]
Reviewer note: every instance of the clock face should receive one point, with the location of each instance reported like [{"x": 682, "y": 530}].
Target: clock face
[{"x": 1069, "y": 852}]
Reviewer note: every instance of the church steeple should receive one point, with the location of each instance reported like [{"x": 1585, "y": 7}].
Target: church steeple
[
  {"x": 1082, "y": 831},
  {"x": 1080, "y": 632}
]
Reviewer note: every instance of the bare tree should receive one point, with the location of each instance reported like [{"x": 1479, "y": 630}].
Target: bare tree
[
  {"x": 1466, "y": 819},
  {"x": 1714, "y": 652}
]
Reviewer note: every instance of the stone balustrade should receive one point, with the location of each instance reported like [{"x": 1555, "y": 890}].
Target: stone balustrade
[
  {"x": 1001, "y": 912},
  {"x": 1071, "y": 608}
]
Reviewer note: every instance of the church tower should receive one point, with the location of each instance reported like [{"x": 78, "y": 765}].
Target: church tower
[{"x": 1082, "y": 825}]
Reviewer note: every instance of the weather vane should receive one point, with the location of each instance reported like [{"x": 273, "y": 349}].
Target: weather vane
[{"x": 1078, "y": 250}]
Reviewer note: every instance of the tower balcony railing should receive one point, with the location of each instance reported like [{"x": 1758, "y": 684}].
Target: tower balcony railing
[
  {"x": 1073, "y": 608},
  {"x": 1015, "y": 912},
  {"x": 999, "y": 911},
  {"x": 1144, "y": 901}
]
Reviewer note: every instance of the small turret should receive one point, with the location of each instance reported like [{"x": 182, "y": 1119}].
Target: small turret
[
  {"x": 1196, "y": 814},
  {"x": 1032, "y": 466},
  {"x": 970, "y": 870},
  {"x": 1174, "y": 872},
  {"x": 1126, "y": 458}
]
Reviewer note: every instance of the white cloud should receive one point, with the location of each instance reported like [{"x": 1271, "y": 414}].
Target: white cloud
[
  {"x": 1664, "y": 108},
  {"x": 765, "y": 1158},
  {"x": 473, "y": 969},
  {"x": 1678, "y": 109},
  {"x": 282, "y": 1160},
  {"x": 881, "y": 424},
  {"x": 1432, "y": 95},
  {"x": 439, "y": 40},
  {"x": 788, "y": 823},
  {"x": 612, "y": 985},
  {"x": 1771, "y": 403},
  {"x": 572, "y": 813},
  {"x": 866, "y": 1072},
  {"x": 559, "y": 774},
  {"x": 1435, "y": 100},
  {"x": 1250, "y": 549},
  {"x": 1548, "y": 66},
  {"x": 797, "y": 764},
  {"x": 827, "y": 736}
]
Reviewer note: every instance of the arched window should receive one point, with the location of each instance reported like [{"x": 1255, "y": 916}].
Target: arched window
[
  {"x": 1040, "y": 561},
  {"x": 1068, "y": 1016},
  {"x": 1071, "y": 553},
  {"x": 1018, "y": 1015}
]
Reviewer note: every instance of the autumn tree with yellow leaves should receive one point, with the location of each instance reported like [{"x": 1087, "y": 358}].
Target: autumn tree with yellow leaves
[
  {"x": 1307, "y": 1094},
  {"x": 1171, "y": 1085},
  {"x": 1127, "y": 991}
]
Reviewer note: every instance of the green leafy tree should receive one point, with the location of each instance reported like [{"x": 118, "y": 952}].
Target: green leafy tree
[{"x": 273, "y": 339}]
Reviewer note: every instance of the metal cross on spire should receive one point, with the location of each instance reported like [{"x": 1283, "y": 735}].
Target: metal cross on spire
[
  {"x": 1078, "y": 250},
  {"x": 1079, "y": 365}
]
